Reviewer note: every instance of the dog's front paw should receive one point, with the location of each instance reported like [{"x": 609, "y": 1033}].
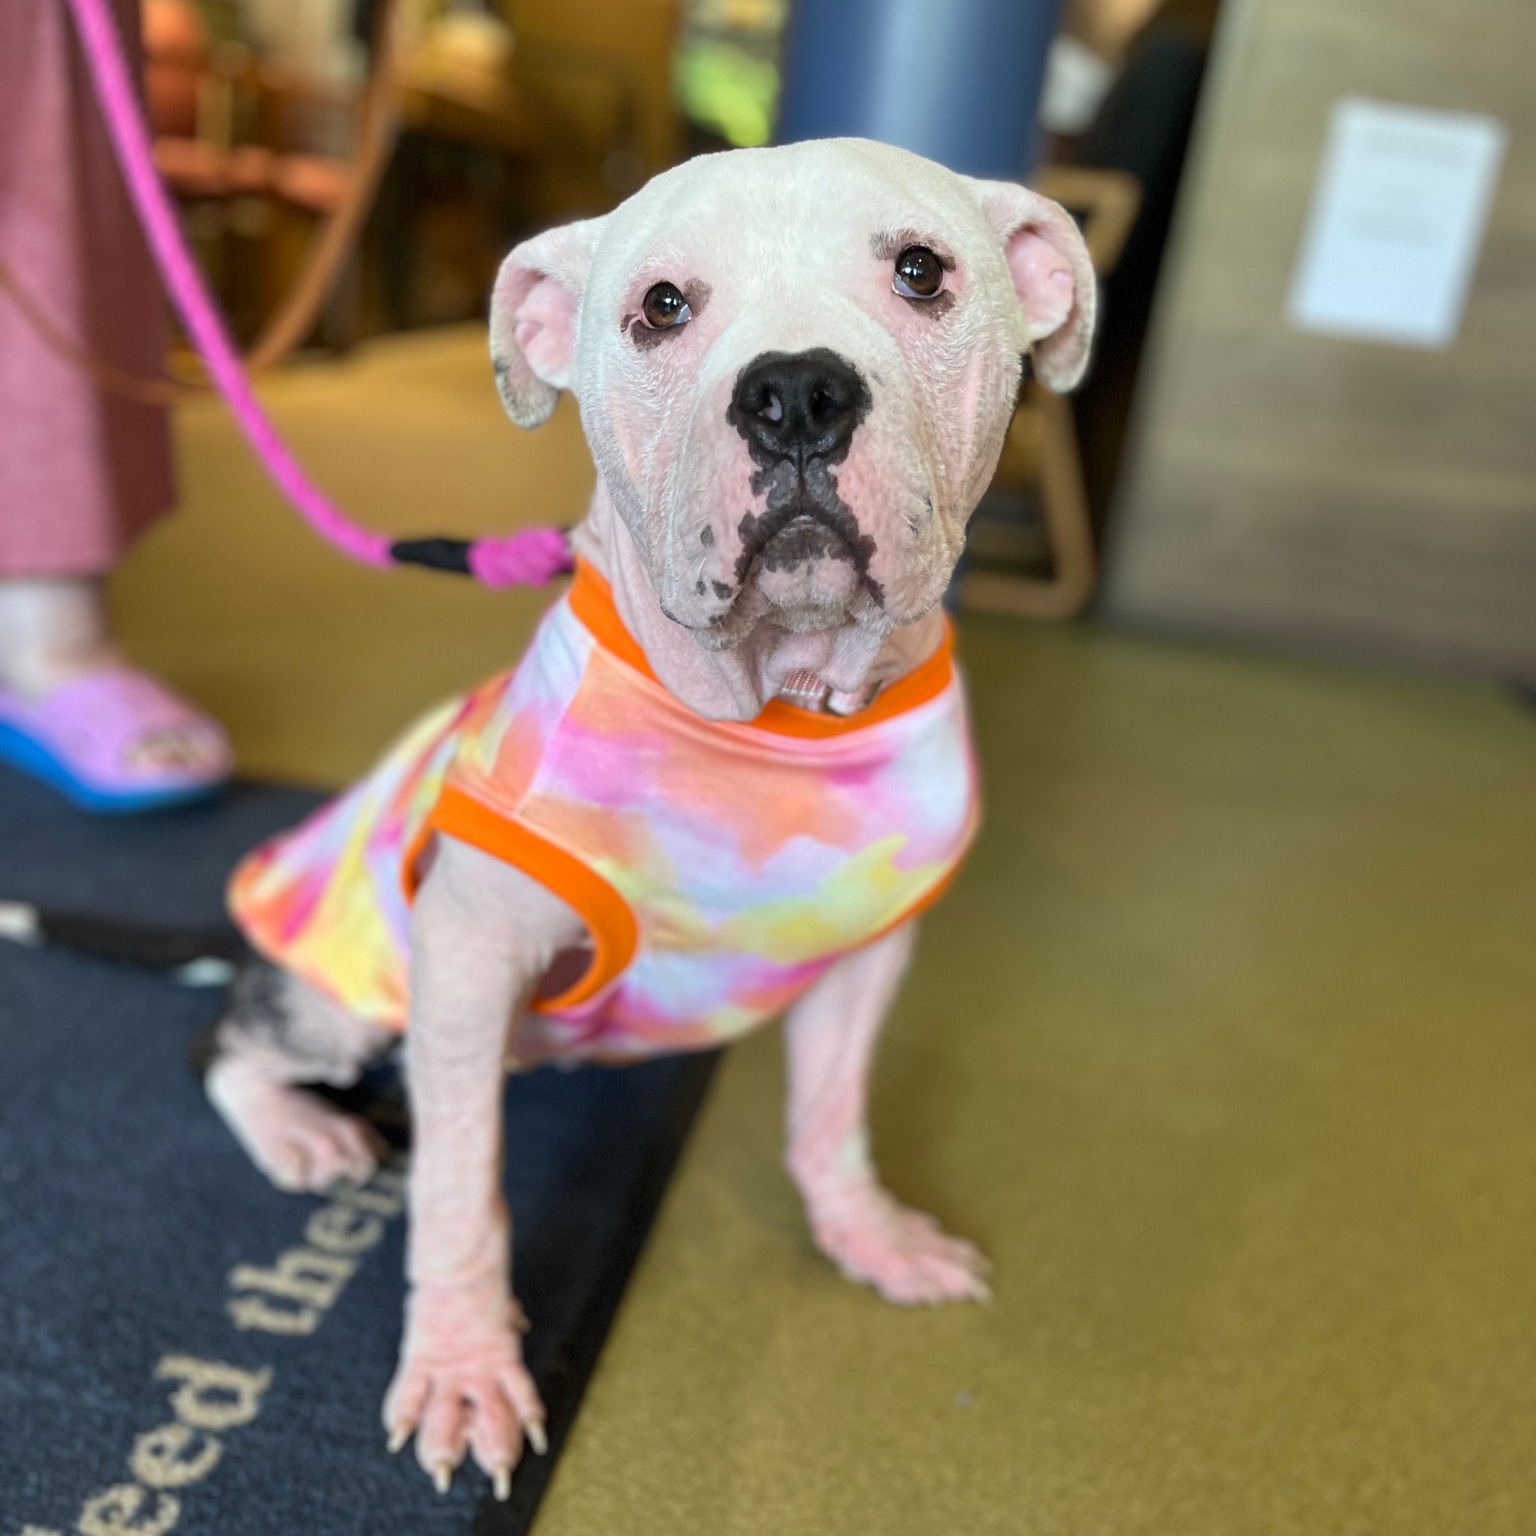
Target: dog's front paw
[
  {"x": 905, "y": 1255},
  {"x": 461, "y": 1391}
]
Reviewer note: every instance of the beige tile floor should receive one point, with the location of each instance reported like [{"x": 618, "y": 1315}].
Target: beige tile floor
[{"x": 1224, "y": 1046}]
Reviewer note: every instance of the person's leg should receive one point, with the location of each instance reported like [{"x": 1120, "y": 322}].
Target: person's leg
[
  {"x": 52, "y": 629},
  {"x": 82, "y": 472}
]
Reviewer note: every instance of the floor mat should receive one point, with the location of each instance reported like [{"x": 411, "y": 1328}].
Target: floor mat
[{"x": 183, "y": 1348}]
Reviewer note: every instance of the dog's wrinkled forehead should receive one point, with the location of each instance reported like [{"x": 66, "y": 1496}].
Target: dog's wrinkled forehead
[
  {"x": 760, "y": 213},
  {"x": 790, "y": 228}
]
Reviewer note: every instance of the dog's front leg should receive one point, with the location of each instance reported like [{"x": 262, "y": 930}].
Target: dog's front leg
[
  {"x": 482, "y": 936},
  {"x": 830, "y": 1037}
]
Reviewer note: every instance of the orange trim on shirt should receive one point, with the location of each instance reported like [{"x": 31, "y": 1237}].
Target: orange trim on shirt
[
  {"x": 591, "y": 600},
  {"x": 925, "y": 681},
  {"x": 615, "y": 935}
]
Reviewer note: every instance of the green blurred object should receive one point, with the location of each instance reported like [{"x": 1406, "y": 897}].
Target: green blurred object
[{"x": 726, "y": 73}]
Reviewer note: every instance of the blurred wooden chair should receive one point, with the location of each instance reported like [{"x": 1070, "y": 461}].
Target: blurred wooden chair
[
  {"x": 204, "y": 96},
  {"x": 245, "y": 141},
  {"x": 1041, "y": 451},
  {"x": 239, "y": 140}
]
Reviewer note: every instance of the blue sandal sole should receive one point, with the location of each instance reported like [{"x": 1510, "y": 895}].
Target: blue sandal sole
[{"x": 27, "y": 755}]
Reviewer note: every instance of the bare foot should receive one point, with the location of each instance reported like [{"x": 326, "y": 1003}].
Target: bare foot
[{"x": 54, "y": 631}]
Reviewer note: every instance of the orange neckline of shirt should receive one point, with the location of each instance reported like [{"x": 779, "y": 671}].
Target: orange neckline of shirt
[{"x": 591, "y": 600}]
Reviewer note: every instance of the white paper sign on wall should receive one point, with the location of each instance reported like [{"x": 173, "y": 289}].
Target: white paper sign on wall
[{"x": 1396, "y": 222}]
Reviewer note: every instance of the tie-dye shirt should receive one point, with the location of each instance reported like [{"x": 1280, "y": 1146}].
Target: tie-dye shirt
[{"x": 719, "y": 868}]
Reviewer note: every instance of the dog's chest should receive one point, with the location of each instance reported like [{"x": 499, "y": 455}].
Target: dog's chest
[
  {"x": 748, "y": 857},
  {"x": 742, "y": 876}
]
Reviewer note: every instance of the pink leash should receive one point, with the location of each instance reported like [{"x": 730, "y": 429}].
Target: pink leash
[{"x": 532, "y": 558}]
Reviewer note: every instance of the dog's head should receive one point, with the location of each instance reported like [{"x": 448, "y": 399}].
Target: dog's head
[{"x": 795, "y": 369}]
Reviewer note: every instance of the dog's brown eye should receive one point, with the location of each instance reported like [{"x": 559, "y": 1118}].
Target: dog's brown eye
[
  {"x": 919, "y": 273},
  {"x": 665, "y": 308}
]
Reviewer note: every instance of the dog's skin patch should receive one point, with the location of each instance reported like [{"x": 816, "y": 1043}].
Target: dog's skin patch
[
  {"x": 796, "y": 532},
  {"x": 644, "y": 335},
  {"x": 935, "y": 308}
]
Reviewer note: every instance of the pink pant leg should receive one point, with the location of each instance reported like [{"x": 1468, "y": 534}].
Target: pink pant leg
[{"x": 81, "y": 472}]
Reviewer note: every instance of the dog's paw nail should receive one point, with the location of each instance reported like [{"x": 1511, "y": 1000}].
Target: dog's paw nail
[
  {"x": 397, "y": 1439},
  {"x": 442, "y": 1476},
  {"x": 501, "y": 1482},
  {"x": 534, "y": 1429}
]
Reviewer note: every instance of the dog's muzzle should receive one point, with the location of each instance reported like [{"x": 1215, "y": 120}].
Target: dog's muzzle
[{"x": 797, "y": 412}]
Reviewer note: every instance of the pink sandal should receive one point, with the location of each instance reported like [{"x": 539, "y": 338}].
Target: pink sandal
[{"x": 81, "y": 737}]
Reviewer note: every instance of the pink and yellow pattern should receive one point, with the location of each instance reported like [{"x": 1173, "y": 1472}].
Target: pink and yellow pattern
[{"x": 720, "y": 868}]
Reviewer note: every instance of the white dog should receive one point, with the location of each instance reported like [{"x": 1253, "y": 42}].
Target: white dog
[{"x": 733, "y": 765}]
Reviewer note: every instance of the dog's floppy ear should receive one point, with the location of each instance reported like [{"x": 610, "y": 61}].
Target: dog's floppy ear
[
  {"x": 1052, "y": 276},
  {"x": 533, "y": 318}
]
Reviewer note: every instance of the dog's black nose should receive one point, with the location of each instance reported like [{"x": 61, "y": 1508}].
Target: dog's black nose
[{"x": 799, "y": 404}]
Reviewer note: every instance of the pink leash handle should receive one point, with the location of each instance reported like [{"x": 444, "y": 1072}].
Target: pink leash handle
[{"x": 533, "y": 557}]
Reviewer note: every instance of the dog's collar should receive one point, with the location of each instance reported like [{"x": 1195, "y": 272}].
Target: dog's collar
[{"x": 591, "y": 600}]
